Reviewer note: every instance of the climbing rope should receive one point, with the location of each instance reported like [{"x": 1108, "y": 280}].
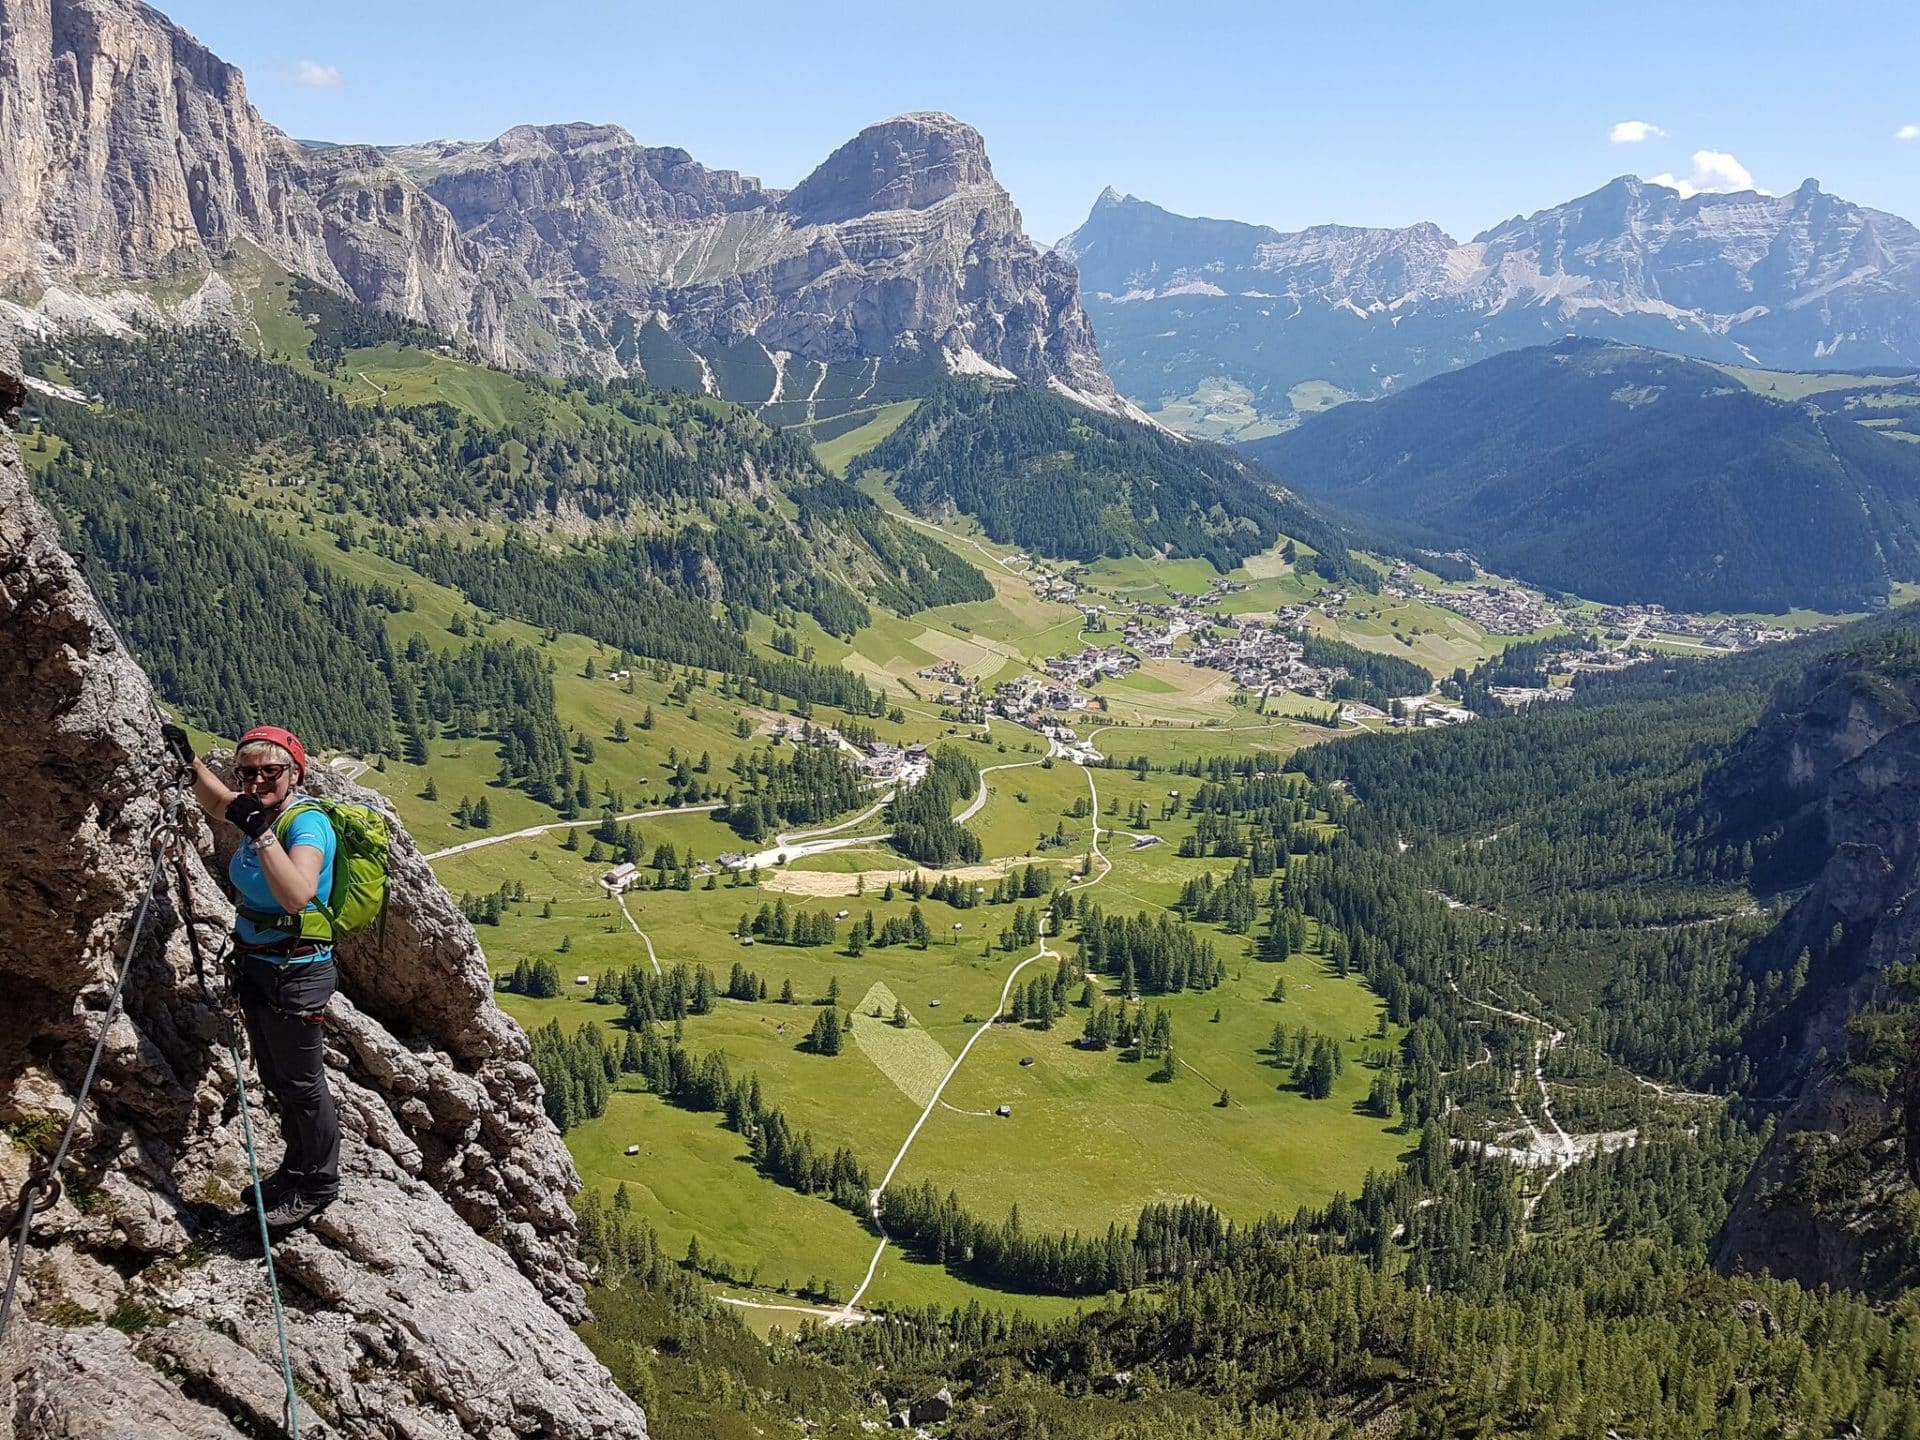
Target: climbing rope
[
  {"x": 42, "y": 1191},
  {"x": 292, "y": 1415}
]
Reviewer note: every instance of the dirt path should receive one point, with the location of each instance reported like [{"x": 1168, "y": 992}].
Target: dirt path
[
  {"x": 848, "y": 1314},
  {"x": 532, "y": 830},
  {"x": 800, "y": 837},
  {"x": 1558, "y": 1151},
  {"x": 621, "y": 897}
]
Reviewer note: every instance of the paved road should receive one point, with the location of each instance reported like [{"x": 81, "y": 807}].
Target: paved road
[{"x": 532, "y": 830}]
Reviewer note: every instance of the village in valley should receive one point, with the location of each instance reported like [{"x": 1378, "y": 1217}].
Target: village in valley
[{"x": 1265, "y": 655}]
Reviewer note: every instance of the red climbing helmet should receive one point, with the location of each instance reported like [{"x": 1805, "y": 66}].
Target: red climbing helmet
[{"x": 285, "y": 739}]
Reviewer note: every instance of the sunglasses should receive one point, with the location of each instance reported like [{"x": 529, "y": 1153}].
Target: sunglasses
[{"x": 250, "y": 773}]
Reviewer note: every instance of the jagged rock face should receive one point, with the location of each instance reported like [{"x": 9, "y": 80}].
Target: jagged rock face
[
  {"x": 129, "y": 153},
  {"x": 1837, "y": 759},
  {"x": 434, "y": 1298},
  {"x": 901, "y": 241},
  {"x": 1800, "y": 281},
  {"x": 908, "y": 163}
]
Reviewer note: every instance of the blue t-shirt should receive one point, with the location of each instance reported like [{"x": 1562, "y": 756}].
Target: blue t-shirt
[{"x": 309, "y": 827}]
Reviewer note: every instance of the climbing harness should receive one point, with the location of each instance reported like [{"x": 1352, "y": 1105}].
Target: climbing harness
[{"x": 42, "y": 1191}]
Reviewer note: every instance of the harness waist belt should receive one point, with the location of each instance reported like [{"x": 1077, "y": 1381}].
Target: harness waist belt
[{"x": 280, "y": 954}]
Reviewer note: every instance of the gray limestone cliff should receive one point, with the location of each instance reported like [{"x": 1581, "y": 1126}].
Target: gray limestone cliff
[
  {"x": 434, "y": 1298},
  {"x": 1834, "y": 768},
  {"x": 137, "y": 183}
]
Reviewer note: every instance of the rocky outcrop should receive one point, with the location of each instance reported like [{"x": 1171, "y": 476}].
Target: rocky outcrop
[
  {"x": 900, "y": 244},
  {"x": 132, "y": 163},
  {"x": 1800, "y": 281},
  {"x": 434, "y": 1298},
  {"x": 1833, "y": 771}
]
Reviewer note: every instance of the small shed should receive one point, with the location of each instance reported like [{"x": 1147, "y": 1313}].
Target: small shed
[
  {"x": 583, "y": 979},
  {"x": 1026, "y": 1059},
  {"x": 1004, "y": 1111},
  {"x": 633, "y": 1149}
]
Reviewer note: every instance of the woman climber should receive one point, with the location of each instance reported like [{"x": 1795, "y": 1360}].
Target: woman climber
[{"x": 283, "y": 943}]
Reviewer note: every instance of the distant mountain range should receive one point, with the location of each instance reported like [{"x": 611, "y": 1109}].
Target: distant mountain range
[
  {"x": 1232, "y": 330},
  {"x": 137, "y": 181},
  {"x": 1623, "y": 474}
]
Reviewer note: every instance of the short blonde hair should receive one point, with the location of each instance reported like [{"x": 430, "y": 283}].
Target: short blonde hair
[{"x": 266, "y": 750}]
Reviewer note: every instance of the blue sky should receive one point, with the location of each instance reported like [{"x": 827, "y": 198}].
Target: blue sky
[{"x": 1284, "y": 114}]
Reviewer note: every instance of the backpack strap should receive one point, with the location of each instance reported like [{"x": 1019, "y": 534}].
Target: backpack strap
[{"x": 313, "y": 923}]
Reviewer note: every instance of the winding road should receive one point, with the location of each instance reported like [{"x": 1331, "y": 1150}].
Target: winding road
[{"x": 532, "y": 830}]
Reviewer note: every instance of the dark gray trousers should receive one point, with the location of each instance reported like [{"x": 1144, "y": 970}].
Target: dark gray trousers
[{"x": 282, "y": 1007}]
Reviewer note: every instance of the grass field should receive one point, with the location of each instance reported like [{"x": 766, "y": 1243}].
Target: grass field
[
  {"x": 838, "y": 453},
  {"x": 1124, "y": 1139}
]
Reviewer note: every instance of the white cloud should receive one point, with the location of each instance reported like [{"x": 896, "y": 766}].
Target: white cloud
[
  {"x": 1907, "y": 132},
  {"x": 316, "y": 76},
  {"x": 1714, "y": 173},
  {"x": 1632, "y": 132}
]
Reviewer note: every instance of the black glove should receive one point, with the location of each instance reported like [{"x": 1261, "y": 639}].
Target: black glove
[
  {"x": 250, "y": 815},
  {"x": 178, "y": 743}
]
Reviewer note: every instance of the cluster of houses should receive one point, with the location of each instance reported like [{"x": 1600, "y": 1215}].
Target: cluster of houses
[
  {"x": 1496, "y": 609},
  {"x": 1091, "y": 666},
  {"x": 1154, "y": 629},
  {"x": 1646, "y": 622},
  {"x": 1025, "y": 696},
  {"x": 1263, "y": 658},
  {"x": 956, "y": 686},
  {"x": 903, "y": 766}
]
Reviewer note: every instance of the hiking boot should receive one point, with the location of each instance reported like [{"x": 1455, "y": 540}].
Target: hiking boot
[
  {"x": 273, "y": 1189},
  {"x": 296, "y": 1205}
]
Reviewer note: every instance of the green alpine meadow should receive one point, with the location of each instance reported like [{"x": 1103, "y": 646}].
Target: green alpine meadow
[{"x": 651, "y": 803}]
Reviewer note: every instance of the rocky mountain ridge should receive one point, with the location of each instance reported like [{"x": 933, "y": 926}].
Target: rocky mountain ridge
[
  {"x": 135, "y": 175},
  {"x": 1804, "y": 280},
  {"x": 434, "y": 1299}
]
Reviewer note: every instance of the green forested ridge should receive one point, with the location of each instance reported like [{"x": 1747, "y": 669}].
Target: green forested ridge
[
  {"x": 670, "y": 499},
  {"x": 1625, "y": 475},
  {"x": 212, "y": 600},
  {"x": 1042, "y": 472}
]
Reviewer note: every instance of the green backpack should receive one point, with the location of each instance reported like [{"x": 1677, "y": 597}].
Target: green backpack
[{"x": 359, "y": 896}]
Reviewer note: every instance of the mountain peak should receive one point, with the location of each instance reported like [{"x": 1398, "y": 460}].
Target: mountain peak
[
  {"x": 906, "y": 163},
  {"x": 568, "y": 138}
]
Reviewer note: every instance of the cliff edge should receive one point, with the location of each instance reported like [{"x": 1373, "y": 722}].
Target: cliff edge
[{"x": 434, "y": 1298}]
